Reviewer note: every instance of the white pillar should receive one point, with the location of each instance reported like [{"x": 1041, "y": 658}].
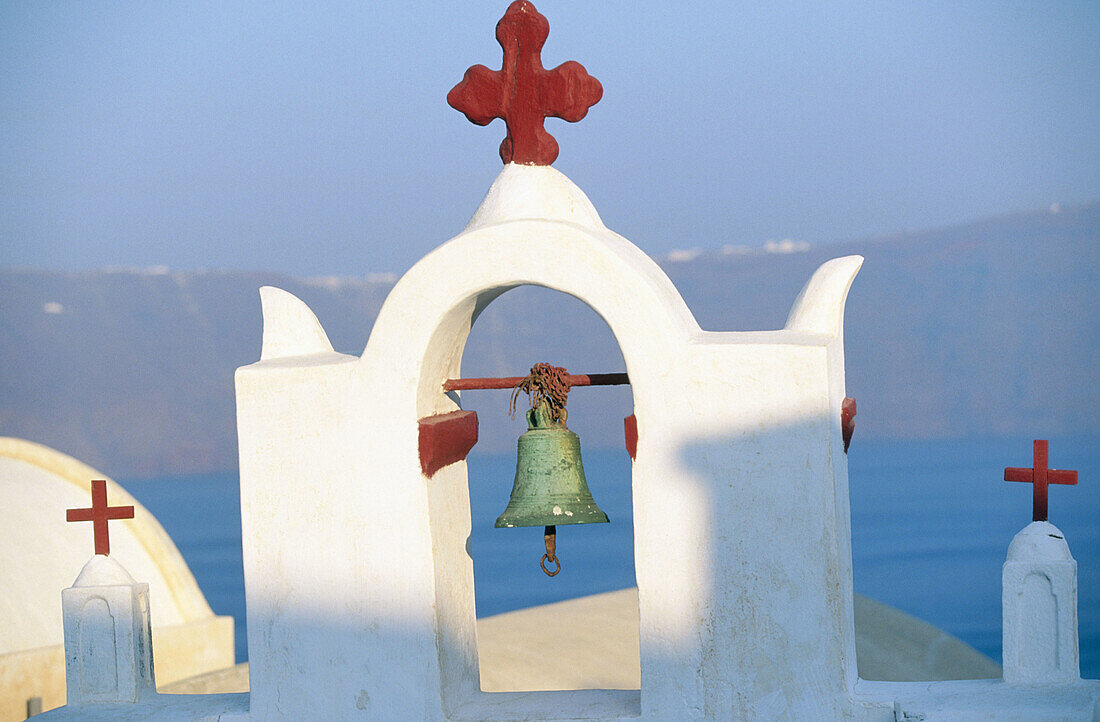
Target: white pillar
[
  {"x": 108, "y": 639},
  {"x": 1039, "y": 598}
]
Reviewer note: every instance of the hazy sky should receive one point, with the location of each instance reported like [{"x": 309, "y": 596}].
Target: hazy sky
[{"x": 314, "y": 138}]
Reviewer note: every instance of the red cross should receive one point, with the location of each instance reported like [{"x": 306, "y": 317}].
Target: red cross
[
  {"x": 524, "y": 93},
  {"x": 1040, "y": 476},
  {"x": 99, "y": 514}
]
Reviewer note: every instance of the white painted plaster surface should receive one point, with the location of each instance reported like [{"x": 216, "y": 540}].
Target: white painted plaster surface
[
  {"x": 290, "y": 328},
  {"x": 108, "y": 636},
  {"x": 177, "y": 707},
  {"x": 102, "y": 571},
  {"x": 1039, "y": 598},
  {"x": 979, "y": 700},
  {"x": 528, "y": 192}
]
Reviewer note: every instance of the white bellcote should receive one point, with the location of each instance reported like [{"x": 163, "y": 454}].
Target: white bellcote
[
  {"x": 1039, "y": 608},
  {"x": 108, "y": 636}
]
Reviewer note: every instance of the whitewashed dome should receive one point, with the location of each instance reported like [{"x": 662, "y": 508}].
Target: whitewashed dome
[{"x": 44, "y": 553}]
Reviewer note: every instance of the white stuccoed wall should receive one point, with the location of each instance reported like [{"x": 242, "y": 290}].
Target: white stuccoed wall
[
  {"x": 1039, "y": 596},
  {"x": 108, "y": 637},
  {"x": 355, "y": 563}
]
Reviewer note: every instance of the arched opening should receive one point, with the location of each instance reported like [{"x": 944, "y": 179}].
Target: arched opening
[
  {"x": 565, "y": 637},
  {"x": 417, "y": 344}
]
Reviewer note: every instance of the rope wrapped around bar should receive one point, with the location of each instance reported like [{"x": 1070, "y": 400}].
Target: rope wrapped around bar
[{"x": 544, "y": 383}]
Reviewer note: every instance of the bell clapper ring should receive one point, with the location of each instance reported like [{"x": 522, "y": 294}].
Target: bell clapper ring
[{"x": 550, "y": 536}]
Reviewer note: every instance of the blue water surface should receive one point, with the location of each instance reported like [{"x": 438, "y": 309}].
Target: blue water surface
[{"x": 931, "y": 521}]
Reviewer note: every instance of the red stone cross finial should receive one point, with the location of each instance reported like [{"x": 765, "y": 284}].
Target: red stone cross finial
[
  {"x": 99, "y": 514},
  {"x": 524, "y": 93},
  {"x": 1040, "y": 476}
]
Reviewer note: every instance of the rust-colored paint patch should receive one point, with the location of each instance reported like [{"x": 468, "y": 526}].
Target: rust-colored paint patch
[
  {"x": 630, "y": 429},
  {"x": 445, "y": 439},
  {"x": 523, "y": 92}
]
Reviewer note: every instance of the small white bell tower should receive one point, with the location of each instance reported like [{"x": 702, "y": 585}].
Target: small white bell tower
[{"x": 108, "y": 636}]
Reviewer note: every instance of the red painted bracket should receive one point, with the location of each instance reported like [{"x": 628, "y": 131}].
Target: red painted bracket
[
  {"x": 630, "y": 430},
  {"x": 445, "y": 439},
  {"x": 847, "y": 420}
]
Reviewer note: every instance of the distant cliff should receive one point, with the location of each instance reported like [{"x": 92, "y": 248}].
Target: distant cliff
[{"x": 988, "y": 328}]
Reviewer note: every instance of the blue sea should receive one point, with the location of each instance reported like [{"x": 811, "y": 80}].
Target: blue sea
[{"x": 931, "y": 521}]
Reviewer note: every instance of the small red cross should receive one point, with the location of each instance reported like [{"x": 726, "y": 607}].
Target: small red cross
[
  {"x": 99, "y": 514},
  {"x": 1040, "y": 476},
  {"x": 523, "y": 92}
]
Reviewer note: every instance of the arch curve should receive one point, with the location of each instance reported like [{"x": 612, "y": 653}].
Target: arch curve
[{"x": 422, "y": 328}]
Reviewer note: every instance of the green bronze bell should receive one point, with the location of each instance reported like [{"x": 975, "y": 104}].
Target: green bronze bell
[{"x": 550, "y": 487}]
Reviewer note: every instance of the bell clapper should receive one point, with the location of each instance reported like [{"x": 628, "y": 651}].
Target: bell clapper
[{"x": 550, "y": 536}]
